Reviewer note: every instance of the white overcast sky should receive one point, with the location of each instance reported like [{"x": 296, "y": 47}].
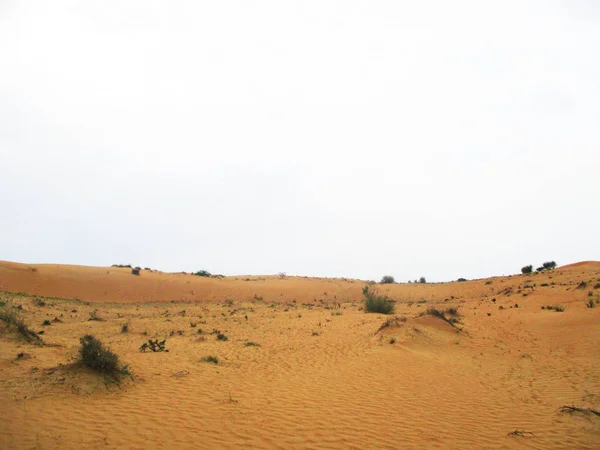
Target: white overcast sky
[{"x": 322, "y": 138}]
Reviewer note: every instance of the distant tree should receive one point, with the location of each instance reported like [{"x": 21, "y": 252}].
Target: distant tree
[
  {"x": 549, "y": 265},
  {"x": 387, "y": 279},
  {"x": 460, "y": 280},
  {"x": 422, "y": 280},
  {"x": 202, "y": 273},
  {"x": 527, "y": 269}
]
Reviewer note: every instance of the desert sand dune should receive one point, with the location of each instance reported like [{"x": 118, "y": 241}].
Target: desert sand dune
[{"x": 303, "y": 365}]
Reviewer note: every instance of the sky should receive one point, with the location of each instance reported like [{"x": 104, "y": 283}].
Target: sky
[{"x": 320, "y": 138}]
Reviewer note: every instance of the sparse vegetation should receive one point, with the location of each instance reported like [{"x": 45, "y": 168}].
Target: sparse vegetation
[
  {"x": 526, "y": 269},
  {"x": 11, "y": 318},
  {"x": 222, "y": 337},
  {"x": 387, "y": 279},
  {"x": 449, "y": 315},
  {"x": 135, "y": 271},
  {"x": 581, "y": 285},
  {"x": 251, "y": 344},
  {"x": 210, "y": 359},
  {"x": 591, "y": 303},
  {"x": 46, "y": 323},
  {"x": 96, "y": 356},
  {"x": 154, "y": 346},
  {"x": 95, "y": 317},
  {"x": 375, "y": 303}
]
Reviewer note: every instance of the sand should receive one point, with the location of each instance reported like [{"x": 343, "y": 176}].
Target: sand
[{"x": 323, "y": 374}]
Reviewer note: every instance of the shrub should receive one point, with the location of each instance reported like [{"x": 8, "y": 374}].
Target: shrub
[
  {"x": 422, "y": 280},
  {"x": 591, "y": 303},
  {"x": 549, "y": 265},
  {"x": 387, "y": 279},
  {"x": 39, "y": 302},
  {"x": 125, "y": 328},
  {"x": 202, "y": 273},
  {"x": 581, "y": 285},
  {"x": 154, "y": 345},
  {"x": 95, "y": 317},
  {"x": 12, "y": 319},
  {"x": 460, "y": 280},
  {"x": 559, "y": 308},
  {"x": 46, "y": 323},
  {"x": 135, "y": 271},
  {"x": 210, "y": 359},
  {"x": 96, "y": 356},
  {"x": 222, "y": 337},
  {"x": 377, "y": 304},
  {"x": 122, "y": 265},
  {"x": 526, "y": 269},
  {"x": 251, "y": 344}
]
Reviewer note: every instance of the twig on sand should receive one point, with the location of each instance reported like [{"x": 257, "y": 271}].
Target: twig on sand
[
  {"x": 521, "y": 433},
  {"x": 574, "y": 409}
]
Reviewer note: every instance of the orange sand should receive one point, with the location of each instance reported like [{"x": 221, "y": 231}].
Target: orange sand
[{"x": 322, "y": 377}]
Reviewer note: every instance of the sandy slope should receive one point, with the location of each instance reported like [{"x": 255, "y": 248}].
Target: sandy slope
[{"x": 323, "y": 375}]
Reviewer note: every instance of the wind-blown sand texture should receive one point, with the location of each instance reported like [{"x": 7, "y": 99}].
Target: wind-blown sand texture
[{"x": 323, "y": 375}]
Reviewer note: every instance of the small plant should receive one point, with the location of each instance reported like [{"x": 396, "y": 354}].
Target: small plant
[
  {"x": 95, "y": 317},
  {"x": 392, "y": 341},
  {"x": 559, "y": 308},
  {"x": 193, "y": 324},
  {"x": 527, "y": 269},
  {"x": 46, "y": 323},
  {"x": 96, "y": 356},
  {"x": 135, "y": 271},
  {"x": 154, "y": 346},
  {"x": 251, "y": 344},
  {"x": 210, "y": 359},
  {"x": 375, "y": 303},
  {"x": 222, "y": 337},
  {"x": 387, "y": 279},
  {"x": 125, "y": 328},
  {"x": 591, "y": 303}
]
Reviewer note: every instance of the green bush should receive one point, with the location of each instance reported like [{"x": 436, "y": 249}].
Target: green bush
[
  {"x": 527, "y": 269},
  {"x": 387, "y": 279},
  {"x": 375, "y": 303},
  {"x": 135, "y": 271},
  {"x": 202, "y": 273},
  {"x": 96, "y": 356},
  {"x": 422, "y": 280}
]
